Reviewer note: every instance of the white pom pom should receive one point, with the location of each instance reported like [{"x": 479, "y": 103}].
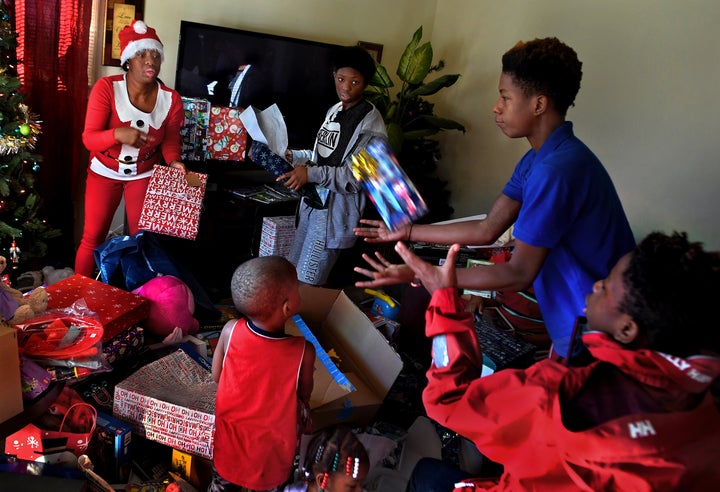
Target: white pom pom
[{"x": 140, "y": 27}]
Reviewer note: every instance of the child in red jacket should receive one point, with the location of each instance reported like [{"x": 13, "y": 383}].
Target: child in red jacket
[{"x": 639, "y": 417}]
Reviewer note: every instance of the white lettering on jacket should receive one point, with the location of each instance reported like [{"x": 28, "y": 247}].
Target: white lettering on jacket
[
  {"x": 685, "y": 367},
  {"x": 641, "y": 428}
]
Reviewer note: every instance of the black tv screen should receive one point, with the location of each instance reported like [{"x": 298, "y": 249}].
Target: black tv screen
[{"x": 293, "y": 73}]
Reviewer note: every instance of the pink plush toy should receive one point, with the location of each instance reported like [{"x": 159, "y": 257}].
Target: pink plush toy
[{"x": 171, "y": 305}]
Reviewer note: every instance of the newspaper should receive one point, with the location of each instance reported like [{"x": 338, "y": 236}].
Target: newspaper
[{"x": 266, "y": 126}]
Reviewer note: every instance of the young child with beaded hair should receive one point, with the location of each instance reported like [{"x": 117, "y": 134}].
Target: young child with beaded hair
[{"x": 335, "y": 461}]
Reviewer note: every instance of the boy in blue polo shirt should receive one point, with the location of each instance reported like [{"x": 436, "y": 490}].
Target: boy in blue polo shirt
[{"x": 570, "y": 227}]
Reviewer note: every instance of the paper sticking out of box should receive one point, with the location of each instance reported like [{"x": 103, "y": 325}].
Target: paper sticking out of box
[
  {"x": 353, "y": 388},
  {"x": 377, "y": 170}
]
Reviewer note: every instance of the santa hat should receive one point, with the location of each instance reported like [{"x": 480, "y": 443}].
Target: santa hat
[{"x": 138, "y": 37}]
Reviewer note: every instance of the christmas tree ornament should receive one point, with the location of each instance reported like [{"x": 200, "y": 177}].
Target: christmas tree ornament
[
  {"x": 14, "y": 252},
  {"x": 25, "y": 129}
]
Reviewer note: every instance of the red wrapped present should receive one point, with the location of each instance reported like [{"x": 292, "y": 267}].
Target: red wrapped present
[
  {"x": 172, "y": 206},
  {"x": 226, "y": 137},
  {"x": 117, "y": 309}
]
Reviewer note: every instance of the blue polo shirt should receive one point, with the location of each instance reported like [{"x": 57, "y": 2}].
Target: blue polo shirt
[{"x": 569, "y": 206}]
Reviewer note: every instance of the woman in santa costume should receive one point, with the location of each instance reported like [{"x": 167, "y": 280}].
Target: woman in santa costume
[{"x": 132, "y": 123}]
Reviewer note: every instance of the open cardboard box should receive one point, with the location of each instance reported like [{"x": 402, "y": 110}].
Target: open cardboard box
[{"x": 353, "y": 390}]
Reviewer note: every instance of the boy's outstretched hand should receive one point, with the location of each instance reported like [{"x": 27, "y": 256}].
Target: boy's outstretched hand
[
  {"x": 375, "y": 231},
  {"x": 383, "y": 272},
  {"x": 432, "y": 277}
]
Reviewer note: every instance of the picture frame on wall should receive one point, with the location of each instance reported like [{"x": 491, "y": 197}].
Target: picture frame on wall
[
  {"x": 374, "y": 49},
  {"x": 118, "y": 14}
]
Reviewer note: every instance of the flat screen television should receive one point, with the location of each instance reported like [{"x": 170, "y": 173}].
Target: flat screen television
[{"x": 293, "y": 73}]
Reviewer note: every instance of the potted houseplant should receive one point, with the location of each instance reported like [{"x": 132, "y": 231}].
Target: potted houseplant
[{"x": 411, "y": 121}]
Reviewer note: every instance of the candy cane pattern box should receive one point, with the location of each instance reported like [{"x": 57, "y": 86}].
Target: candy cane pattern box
[{"x": 172, "y": 207}]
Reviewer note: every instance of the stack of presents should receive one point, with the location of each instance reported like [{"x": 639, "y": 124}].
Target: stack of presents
[
  {"x": 83, "y": 383},
  {"x": 212, "y": 132}
]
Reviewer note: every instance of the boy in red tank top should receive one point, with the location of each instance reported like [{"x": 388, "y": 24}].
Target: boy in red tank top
[{"x": 265, "y": 378}]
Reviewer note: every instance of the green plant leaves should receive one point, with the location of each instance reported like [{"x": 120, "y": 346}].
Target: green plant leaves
[
  {"x": 395, "y": 137},
  {"x": 410, "y": 120},
  {"x": 381, "y": 79},
  {"x": 416, "y": 66},
  {"x": 434, "y": 85}
]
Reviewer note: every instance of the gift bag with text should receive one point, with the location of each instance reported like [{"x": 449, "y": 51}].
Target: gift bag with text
[{"x": 172, "y": 206}]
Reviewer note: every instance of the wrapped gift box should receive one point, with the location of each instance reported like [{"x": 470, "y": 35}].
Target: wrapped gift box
[
  {"x": 116, "y": 309},
  {"x": 125, "y": 344},
  {"x": 171, "y": 401},
  {"x": 277, "y": 235},
  {"x": 227, "y": 137},
  {"x": 172, "y": 207},
  {"x": 195, "y": 128}
]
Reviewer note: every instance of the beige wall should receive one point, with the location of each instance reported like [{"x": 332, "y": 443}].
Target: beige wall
[{"x": 647, "y": 105}]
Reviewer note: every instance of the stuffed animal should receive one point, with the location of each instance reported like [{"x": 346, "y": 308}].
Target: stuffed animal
[
  {"x": 16, "y": 308},
  {"x": 28, "y": 306},
  {"x": 171, "y": 305}
]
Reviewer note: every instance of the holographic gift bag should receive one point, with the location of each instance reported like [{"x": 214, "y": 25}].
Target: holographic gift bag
[{"x": 377, "y": 170}]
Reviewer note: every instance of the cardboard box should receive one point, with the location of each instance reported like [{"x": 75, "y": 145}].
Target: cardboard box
[
  {"x": 117, "y": 309},
  {"x": 171, "y": 401},
  {"x": 11, "y": 400},
  {"x": 353, "y": 390},
  {"x": 110, "y": 448}
]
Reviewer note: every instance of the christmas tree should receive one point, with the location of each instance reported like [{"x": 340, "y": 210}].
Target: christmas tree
[{"x": 22, "y": 230}]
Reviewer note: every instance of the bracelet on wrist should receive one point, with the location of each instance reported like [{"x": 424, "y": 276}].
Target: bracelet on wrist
[{"x": 410, "y": 232}]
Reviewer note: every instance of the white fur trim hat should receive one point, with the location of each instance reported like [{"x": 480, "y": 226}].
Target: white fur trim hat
[{"x": 136, "y": 37}]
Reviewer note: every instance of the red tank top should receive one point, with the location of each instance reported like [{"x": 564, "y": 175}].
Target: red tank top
[{"x": 256, "y": 407}]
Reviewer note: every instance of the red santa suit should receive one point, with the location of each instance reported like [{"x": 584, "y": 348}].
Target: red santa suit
[
  {"x": 109, "y": 107},
  {"x": 256, "y": 407},
  {"x": 527, "y": 419},
  {"x": 116, "y": 169}
]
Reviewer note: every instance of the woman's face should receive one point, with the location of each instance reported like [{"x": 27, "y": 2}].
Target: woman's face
[
  {"x": 145, "y": 65},
  {"x": 349, "y": 85}
]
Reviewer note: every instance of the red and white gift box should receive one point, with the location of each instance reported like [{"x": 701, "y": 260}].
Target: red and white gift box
[
  {"x": 226, "y": 136},
  {"x": 117, "y": 309},
  {"x": 171, "y": 401},
  {"x": 172, "y": 207},
  {"x": 277, "y": 235}
]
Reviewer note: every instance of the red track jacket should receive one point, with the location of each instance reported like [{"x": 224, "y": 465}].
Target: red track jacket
[{"x": 514, "y": 417}]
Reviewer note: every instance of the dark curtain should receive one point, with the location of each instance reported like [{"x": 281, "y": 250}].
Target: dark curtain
[{"x": 53, "y": 40}]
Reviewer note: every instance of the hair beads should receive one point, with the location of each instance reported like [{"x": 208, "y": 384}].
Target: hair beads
[
  {"x": 333, "y": 450},
  {"x": 352, "y": 467},
  {"x": 324, "y": 482}
]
